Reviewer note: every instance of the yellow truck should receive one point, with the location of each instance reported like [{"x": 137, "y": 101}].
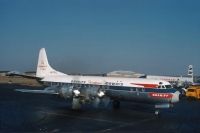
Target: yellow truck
[{"x": 193, "y": 92}]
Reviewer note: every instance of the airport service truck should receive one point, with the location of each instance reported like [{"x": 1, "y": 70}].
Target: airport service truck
[{"x": 193, "y": 92}]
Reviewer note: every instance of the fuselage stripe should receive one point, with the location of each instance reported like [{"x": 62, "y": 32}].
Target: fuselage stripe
[{"x": 146, "y": 85}]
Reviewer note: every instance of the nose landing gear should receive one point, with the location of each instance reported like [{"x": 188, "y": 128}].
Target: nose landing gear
[{"x": 157, "y": 113}]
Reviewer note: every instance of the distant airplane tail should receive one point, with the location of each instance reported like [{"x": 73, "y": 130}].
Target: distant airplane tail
[
  {"x": 190, "y": 70},
  {"x": 43, "y": 67}
]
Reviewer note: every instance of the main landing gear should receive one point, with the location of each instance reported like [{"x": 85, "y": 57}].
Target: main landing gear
[{"x": 116, "y": 104}]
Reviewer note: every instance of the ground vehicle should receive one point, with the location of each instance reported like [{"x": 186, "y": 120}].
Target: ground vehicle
[{"x": 193, "y": 92}]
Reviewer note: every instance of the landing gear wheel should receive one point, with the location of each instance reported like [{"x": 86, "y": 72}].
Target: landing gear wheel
[
  {"x": 116, "y": 104},
  {"x": 157, "y": 113}
]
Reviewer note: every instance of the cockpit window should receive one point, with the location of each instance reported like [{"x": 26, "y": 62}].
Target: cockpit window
[
  {"x": 164, "y": 86},
  {"x": 168, "y": 86}
]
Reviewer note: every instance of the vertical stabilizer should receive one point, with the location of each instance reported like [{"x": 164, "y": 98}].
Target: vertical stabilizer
[
  {"x": 190, "y": 72},
  {"x": 43, "y": 67}
]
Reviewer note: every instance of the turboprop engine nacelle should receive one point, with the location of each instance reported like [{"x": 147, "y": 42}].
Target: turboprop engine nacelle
[
  {"x": 68, "y": 91},
  {"x": 95, "y": 92}
]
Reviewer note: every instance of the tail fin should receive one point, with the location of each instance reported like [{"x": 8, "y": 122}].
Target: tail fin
[
  {"x": 43, "y": 67},
  {"x": 190, "y": 70}
]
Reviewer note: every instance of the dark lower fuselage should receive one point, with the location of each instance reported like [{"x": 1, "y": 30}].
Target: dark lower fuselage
[{"x": 145, "y": 95}]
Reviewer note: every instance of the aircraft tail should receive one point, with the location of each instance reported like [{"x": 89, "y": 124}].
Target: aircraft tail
[
  {"x": 43, "y": 67},
  {"x": 191, "y": 72}
]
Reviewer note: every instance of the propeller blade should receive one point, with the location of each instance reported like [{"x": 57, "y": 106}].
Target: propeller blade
[
  {"x": 96, "y": 102},
  {"x": 76, "y": 103},
  {"x": 106, "y": 101}
]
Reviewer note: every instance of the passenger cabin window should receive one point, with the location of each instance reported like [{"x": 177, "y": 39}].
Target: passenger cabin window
[
  {"x": 140, "y": 89},
  {"x": 133, "y": 89}
]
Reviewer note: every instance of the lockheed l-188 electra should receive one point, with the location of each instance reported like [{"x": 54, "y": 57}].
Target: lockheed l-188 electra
[{"x": 101, "y": 89}]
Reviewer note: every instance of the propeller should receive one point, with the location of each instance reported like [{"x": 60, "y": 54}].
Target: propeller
[
  {"x": 101, "y": 98},
  {"x": 76, "y": 93},
  {"x": 100, "y": 94},
  {"x": 76, "y": 103},
  {"x": 96, "y": 102},
  {"x": 105, "y": 100}
]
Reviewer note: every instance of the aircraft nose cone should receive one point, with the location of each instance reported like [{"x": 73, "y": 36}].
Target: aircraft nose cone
[{"x": 175, "y": 97}]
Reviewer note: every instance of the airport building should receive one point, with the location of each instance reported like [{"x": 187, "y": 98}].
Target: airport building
[
  {"x": 3, "y": 73},
  {"x": 30, "y": 73}
]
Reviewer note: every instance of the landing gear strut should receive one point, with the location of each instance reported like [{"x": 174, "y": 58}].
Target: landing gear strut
[
  {"x": 157, "y": 112},
  {"x": 116, "y": 104}
]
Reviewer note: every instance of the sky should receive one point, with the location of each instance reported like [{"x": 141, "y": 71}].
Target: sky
[{"x": 159, "y": 37}]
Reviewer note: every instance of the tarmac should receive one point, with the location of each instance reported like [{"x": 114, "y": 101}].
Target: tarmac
[{"x": 24, "y": 112}]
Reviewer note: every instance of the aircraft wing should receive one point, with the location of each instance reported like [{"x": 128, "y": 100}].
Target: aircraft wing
[
  {"x": 48, "y": 90},
  {"x": 37, "y": 91}
]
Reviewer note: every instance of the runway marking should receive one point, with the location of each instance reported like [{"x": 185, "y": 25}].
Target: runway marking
[
  {"x": 88, "y": 118},
  {"x": 124, "y": 125}
]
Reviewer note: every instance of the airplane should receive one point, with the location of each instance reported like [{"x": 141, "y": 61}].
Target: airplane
[
  {"x": 176, "y": 80},
  {"x": 101, "y": 89}
]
